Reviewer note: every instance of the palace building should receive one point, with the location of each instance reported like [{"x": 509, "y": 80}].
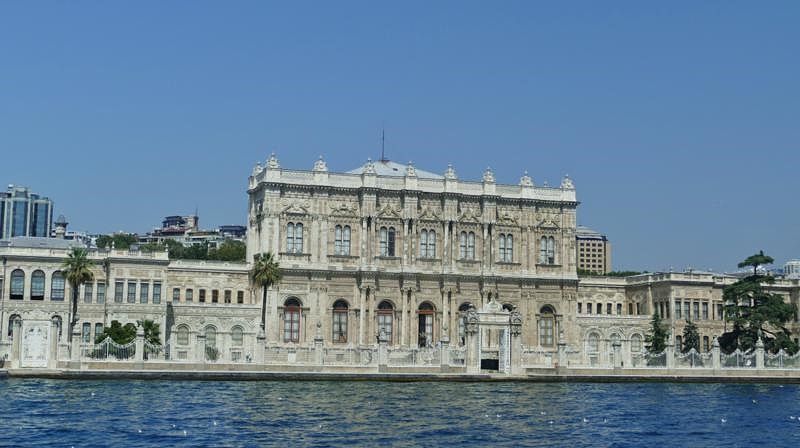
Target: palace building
[{"x": 383, "y": 254}]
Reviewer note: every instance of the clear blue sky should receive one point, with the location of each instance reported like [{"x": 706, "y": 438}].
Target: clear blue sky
[{"x": 679, "y": 122}]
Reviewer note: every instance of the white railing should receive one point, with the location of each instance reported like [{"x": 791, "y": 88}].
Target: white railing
[
  {"x": 153, "y": 352},
  {"x": 693, "y": 358},
  {"x": 288, "y": 355},
  {"x": 350, "y": 356},
  {"x": 538, "y": 357},
  {"x": 782, "y": 360},
  {"x": 108, "y": 350},
  {"x": 738, "y": 359},
  {"x": 458, "y": 356},
  {"x": 400, "y": 357}
]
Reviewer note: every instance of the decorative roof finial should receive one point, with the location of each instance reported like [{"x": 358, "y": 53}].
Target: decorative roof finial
[
  {"x": 257, "y": 169},
  {"x": 272, "y": 162},
  {"x": 450, "y": 172},
  {"x": 369, "y": 167},
  {"x": 410, "y": 170},
  {"x": 488, "y": 176},
  {"x": 320, "y": 165},
  {"x": 566, "y": 183},
  {"x": 526, "y": 180}
]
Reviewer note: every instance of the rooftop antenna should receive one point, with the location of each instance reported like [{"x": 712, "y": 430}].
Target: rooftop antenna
[{"x": 383, "y": 145}]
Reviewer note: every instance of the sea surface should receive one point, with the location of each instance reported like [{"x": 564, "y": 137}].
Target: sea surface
[{"x": 70, "y": 413}]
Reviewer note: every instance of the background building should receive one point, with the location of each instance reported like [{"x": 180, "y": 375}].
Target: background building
[
  {"x": 792, "y": 269},
  {"x": 23, "y": 213},
  {"x": 594, "y": 251}
]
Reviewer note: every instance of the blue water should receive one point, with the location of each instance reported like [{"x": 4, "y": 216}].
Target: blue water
[{"x": 38, "y": 412}]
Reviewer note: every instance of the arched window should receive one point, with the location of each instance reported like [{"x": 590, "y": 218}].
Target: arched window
[
  {"x": 86, "y": 332},
  {"x": 615, "y": 339},
  {"x": 340, "y": 321},
  {"x": 506, "y": 254},
  {"x": 462, "y": 322},
  {"x": 427, "y": 244},
  {"x": 37, "y": 285},
  {"x": 546, "y": 326},
  {"x": 341, "y": 240},
  {"x": 57, "y": 325},
  {"x": 462, "y": 246},
  {"x": 425, "y": 327},
  {"x": 17, "y": 284},
  {"x": 593, "y": 343},
  {"x": 182, "y": 335},
  {"x": 294, "y": 238},
  {"x": 636, "y": 344},
  {"x": 98, "y": 331},
  {"x": 211, "y": 336},
  {"x": 291, "y": 320},
  {"x": 11, "y": 319},
  {"x": 386, "y": 319},
  {"x": 57, "y": 286},
  {"x": 547, "y": 250},
  {"x": 471, "y": 246},
  {"x": 237, "y": 336},
  {"x": 387, "y": 241}
]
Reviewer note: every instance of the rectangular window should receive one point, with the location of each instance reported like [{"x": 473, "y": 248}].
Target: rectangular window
[
  {"x": 638, "y": 309},
  {"x": 720, "y": 314},
  {"x": 340, "y": 326},
  {"x": 696, "y": 309},
  {"x": 678, "y": 309},
  {"x": 687, "y": 312},
  {"x": 189, "y": 295},
  {"x": 101, "y": 292},
  {"x": 385, "y": 323},
  {"x": 599, "y": 308},
  {"x": 176, "y": 294},
  {"x": 227, "y": 296},
  {"x": 630, "y": 309},
  {"x": 98, "y": 330},
  {"x": 88, "y": 292},
  {"x": 157, "y": 292},
  {"x": 239, "y": 296},
  {"x": 619, "y": 309},
  {"x": 291, "y": 326},
  {"x": 144, "y": 292},
  {"x": 118, "y": 291},
  {"x": 546, "y": 331},
  {"x": 202, "y": 297},
  {"x": 131, "y": 292},
  {"x": 705, "y": 310},
  {"x": 214, "y": 296},
  {"x": 580, "y": 308},
  {"x": 608, "y": 308}
]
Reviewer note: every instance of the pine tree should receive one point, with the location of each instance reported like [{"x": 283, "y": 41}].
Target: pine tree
[
  {"x": 657, "y": 338},
  {"x": 691, "y": 338}
]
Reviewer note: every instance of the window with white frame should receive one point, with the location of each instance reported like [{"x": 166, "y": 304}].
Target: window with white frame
[
  {"x": 340, "y": 309},
  {"x": 341, "y": 240},
  {"x": 466, "y": 246},
  {"x": 57, "y": 286},
  {"x": 547, "y": 250},
  {"x": 294, "y": 238},
  {"x": 427, "y": 244},
  {"x": 506, "y": 245},
  {"x": 386, "y": 236}
]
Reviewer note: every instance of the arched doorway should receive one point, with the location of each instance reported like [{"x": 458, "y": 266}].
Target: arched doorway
[{"x": 425, "y": 314}]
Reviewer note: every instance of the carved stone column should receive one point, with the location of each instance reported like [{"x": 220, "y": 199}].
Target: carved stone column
[
  {"x": 515, "y": 327},
  {"x": 472, "y": 354}
]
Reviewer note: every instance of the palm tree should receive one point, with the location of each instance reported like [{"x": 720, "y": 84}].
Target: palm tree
[
  {"x": 265, "y": 273},
  {"x": 77, "y": 270}
]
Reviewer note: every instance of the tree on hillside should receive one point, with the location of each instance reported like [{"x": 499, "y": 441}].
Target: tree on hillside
[
  {"x": 229, "y": 250},
  {"x": 656, "y": 339},
  {"x": 755, "y": 312},
  {"x": 118, "y": 240},
  {"x": 691, "y": 337}
]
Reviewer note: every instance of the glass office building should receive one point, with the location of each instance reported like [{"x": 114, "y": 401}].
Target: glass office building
[{"x": 23, "y": 213}]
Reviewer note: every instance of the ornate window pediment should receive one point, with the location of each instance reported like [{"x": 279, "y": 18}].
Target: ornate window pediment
[
  {"x": 429, "y": 214},
  {"x": 548, "y": 224},
  {"x": 345, "y": 209},
  {"x": 507, "y": 218},
  {"x": 470, "y": 215},
  {"x": 295, "y": 208},
  {"x": 389, "y": 211}
]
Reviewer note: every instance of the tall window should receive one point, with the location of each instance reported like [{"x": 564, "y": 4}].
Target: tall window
[
  {"x": 706, "y": 346},
  {"x": 157, "y": 292},
  {"x": 101, "y": 292},
  {"x": 86, "y": 333},
  {"x": 131, "y": 292},
  {"x": 189, "y": 294},
  {"x": 427, "y": 244},
  {"x": 294, "y": 238},
  {"x": 705, "y": 310},
  {"x": 37, "y": 285},
  {"x": 636, "y": 344},
  {"x": 88, "y": 291},
  {"x": 17, "y": 284},
  {"x": 202, "y": 296},
  {"x": 291, "y": 320},
  {"x": 57, "y": 286},
  {"x": 176, "y": 294},
  {"x": 686, "y": 311},
  {"x": 182, "y": 335},
  {"x": 144, "y": 292},
  {"x": 546, "y": 326},
  {"x": 211, "y": 336},
  {"x": 506, "y": 254},
  {"x": 425, "y": 327},
  {"x": 214, "y": 296},
  {"x": 547, "y": 250},
  {"x": 340, "y": 321},
  {"x": 239, "y": 296},
  {"x": 387, "y": 241},
  {"x": 118, "y": 291},
  {"x": 237, "y": 336},
  {"x": 696, "y": 309},
  {"x": 466, "y": 246},
  {"x": 98, "y": 330},
  {"x": 593, "y": 343},
  {"x": 341, "y": 240},
  {"x": 386, "y": 319},
  {"x": 228, "y": 296},
  {"x": 678, "y": 309}
]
